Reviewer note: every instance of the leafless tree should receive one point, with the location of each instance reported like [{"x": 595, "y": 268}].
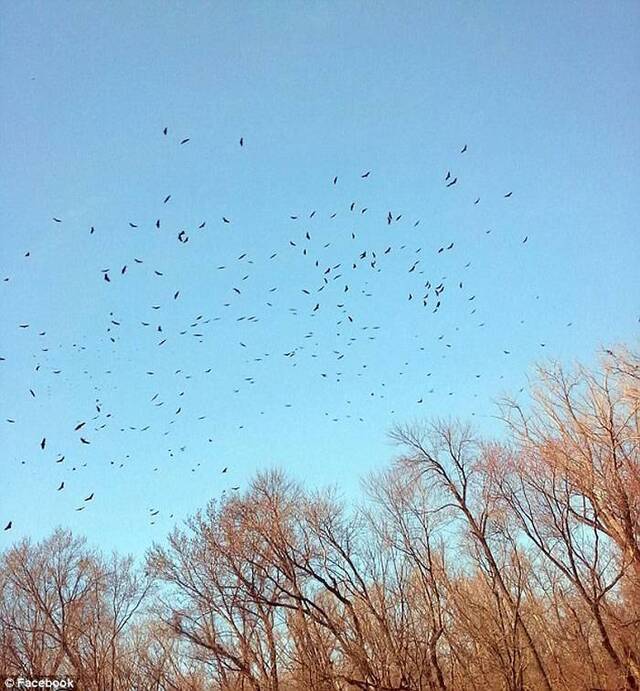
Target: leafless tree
[{"x": 467, "y": 565}]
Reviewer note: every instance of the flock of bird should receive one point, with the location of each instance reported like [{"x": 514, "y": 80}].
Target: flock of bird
[{"x": 338, "y": 274}]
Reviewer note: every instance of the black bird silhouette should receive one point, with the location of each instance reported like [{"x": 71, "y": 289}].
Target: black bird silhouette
[
  {"x": 43, "y": 443},
  {"x": 61, "y": 487},
  {"x": 90, "y": 497},
  {"x": 226, "y": 220},
  {"x": 366, "y": 175},
  {"x": 453, "y": 182},
  {"x": 184, "y": 141},
  {"x": 464, "y": 148},
  {"x": 57, "y": 220},
  {"x": 241, "y": 141},
  {"x": 506, "y": 196},
  {"x": 164, "y": 131},
  {"x": 8, "y": 526}
]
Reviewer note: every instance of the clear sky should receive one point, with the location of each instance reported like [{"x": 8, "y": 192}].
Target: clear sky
[{"x": 545, "y": 95}]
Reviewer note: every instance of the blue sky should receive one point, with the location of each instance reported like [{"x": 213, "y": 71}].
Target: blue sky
[{"x": 544, "y": 95}]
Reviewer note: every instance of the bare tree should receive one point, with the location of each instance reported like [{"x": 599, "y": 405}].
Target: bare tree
[
  {"x": 63, "y": 610},
  {"x": 449, "y": 457},
  {"x": 467, "y": 566}
]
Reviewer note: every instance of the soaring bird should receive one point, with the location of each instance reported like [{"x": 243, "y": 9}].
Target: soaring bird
[
  {"x": 8, "y": 526},
  {"x": 464, "y": 148},
  {"x": 61, "y": 487},
  {"x": 90, "y": 497},
  {"x": 184, "y": 141}
]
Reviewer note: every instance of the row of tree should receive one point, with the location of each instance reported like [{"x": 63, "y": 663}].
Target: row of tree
[{"x": 467, "y": 565}]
